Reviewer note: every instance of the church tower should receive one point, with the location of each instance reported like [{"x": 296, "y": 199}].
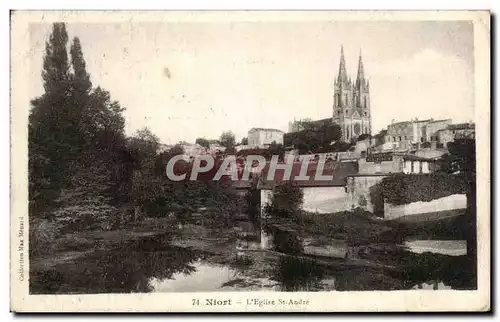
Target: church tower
[{"x": 351, "y": 101}]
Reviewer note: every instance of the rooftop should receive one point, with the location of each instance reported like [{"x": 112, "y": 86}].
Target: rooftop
[
  {"x": 437, "y": 121},
  {"x": 461, "y": 126},
  {"x": 339, "y": 170},
  {"x": 264, "y": 129}
]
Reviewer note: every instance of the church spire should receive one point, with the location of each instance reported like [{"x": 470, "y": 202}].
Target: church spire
[
  {"x": 361, "y": 72},
  {"x": 342, "y": 78}
]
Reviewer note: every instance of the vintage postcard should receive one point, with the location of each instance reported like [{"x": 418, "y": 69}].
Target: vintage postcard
[{"x": 248, "y": 161}]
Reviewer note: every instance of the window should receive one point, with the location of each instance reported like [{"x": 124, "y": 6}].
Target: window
[
  {"x": 346, "y": 111},
  {"x": 399, "y": 139},
  {"x": 411, "y": 166},
  {"x": 422, "y": 140},
  {"x": 366, "y": 114}
]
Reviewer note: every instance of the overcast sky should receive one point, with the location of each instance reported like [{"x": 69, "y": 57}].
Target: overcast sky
[{"x": 235, "y": 76}]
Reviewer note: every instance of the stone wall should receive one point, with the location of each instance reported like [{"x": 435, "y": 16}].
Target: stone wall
[
  {"x": 358, "y": 191},
  {"x": 458, "y": 201}
]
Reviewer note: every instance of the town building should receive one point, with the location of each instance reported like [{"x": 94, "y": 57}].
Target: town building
[
  {"x": 377, "y": 166},
  {"x": 214, "y": 148},
  {"x": 297, "y": 126},
  {"x": 410, "y": 135},
  {"x": 454, "y": 131},
  {"x": 191, "y": 150},
  {"x": 351, "y": 102},
  {"x": 262, "y": 138},
  {"x": 163, "y": 148},
  {"x": 434, "y": 126}
]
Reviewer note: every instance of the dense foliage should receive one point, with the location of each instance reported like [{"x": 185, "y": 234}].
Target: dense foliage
[
  {"x": 76, "y": 132},
  {"x": 399, "y": 189},
  {"x": 283, "y": 218},
  {"x": 84, "y": 173},
  {"x": 314, "y": 136},
  {"x": 457, "y": 176},
  {"x": 227, "y": 140}
]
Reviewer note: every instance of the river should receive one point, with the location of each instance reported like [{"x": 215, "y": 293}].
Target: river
[{"x": 162, "y": 264}]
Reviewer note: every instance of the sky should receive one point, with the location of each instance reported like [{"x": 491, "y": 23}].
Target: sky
[{"x": 198, "y": 79}]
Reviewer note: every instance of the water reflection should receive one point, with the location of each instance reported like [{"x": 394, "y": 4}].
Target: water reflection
[
  {"x": 122, "y": 270},
  {"x": 211, "y": 278},
  {"x": 295, "y": 274},
  {"x": 154, "y": 265}
]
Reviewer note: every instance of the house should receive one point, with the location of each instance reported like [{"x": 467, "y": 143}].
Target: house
[
  {"x": 261, "y": 137},
  {"x": 377, "y": 166},
  {"x": 410, "y": 135},
  {"x": 452, "y": 132}
]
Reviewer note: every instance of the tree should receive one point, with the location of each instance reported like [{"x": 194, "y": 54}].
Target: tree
[
  {"x": 244, "y": 141},
  {"x": 276, "y": 149},
  {"x": 81, "y": 78},
  {"x": 283, "y": 219},
  {"x": 203, "y": 142},
  {"x": 316, "y": 135},
  {"x": 228, "y": 141},
  {"x": 462, "y": 159},
  {"x": 50, "y": 122},
  {"x": 76, "y": 134},
  {"x": 144, "y": 144}
]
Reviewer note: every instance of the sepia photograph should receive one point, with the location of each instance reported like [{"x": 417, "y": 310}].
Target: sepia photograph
[{"x": 250, "y": 161}]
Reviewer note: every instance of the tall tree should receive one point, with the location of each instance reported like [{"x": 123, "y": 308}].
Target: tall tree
[
  {"x": 81, "y": 107},
  {"x": 50, "y": 121},
  {"x": 203, "y": 142},
  {"x": 461, "y": 160},
  {"x": 76, "y": 134},
  {"x": 276, "y": 149},
  {"x": 228, "y": 141},
  {"x": 81, "y": 78}
]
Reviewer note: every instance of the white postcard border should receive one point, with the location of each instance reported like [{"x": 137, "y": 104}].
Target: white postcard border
[{"x": 373, "y": 301}]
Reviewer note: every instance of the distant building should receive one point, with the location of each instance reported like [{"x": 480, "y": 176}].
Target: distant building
[
  {"x": 454, "y": 131},
  {"x": 242, "y": 147},
  {"x": 294, "y": 126},
  {"x": 433, "y": 126},
  {"x": 376, "y": 167},
  {"x": 389, "y": 162},
  {"x": 163, "y": 148},
  {"x": 410, "y": 135},
  {"x": 214, "y": 148},
  {"x": 260, "y": 137},
  {"x": 191, "y": 150},
  {"x": 351, "y": 104}
]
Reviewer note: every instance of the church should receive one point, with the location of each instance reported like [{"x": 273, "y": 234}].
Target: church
[{"x": 351, "y": 102}]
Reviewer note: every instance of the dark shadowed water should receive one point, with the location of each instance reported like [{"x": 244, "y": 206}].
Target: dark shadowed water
[{"x": 154, "y": 264}]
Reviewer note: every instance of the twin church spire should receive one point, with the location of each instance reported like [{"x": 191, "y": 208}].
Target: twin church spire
[
  {"x": 342, "y": 77},
  {"x": 351, "y": 101}
]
